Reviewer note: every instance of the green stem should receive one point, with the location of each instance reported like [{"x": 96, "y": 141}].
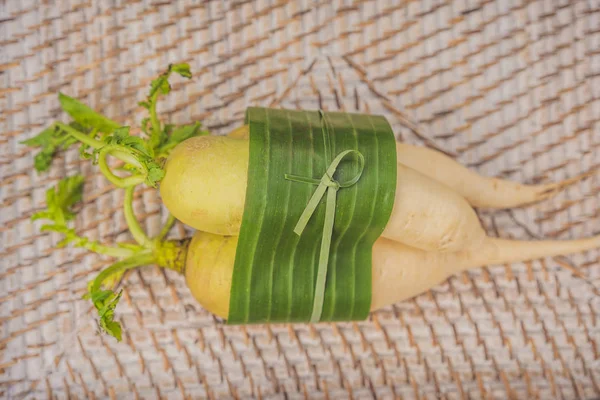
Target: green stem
[
  {"x": 121, "y": 266},
  {"x": 134, "y": 227},
  {"x": 97, "y": 144},
  {"x": 171, "y": 254},
  {"x": 108, "y": 250},
  {"x": 167, "y": 227},
  {"x": 154, "y": 121},
  {"x": 82, "y": 137},
  {"x": 117, "y": 181},
  {"x": 126, "y": 157}
]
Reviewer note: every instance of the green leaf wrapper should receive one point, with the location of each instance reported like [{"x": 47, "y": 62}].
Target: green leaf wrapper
[{"x": 276, "y": 269}]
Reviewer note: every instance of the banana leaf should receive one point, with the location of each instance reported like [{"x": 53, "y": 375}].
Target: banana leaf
[{"x": 283, "y": 248}]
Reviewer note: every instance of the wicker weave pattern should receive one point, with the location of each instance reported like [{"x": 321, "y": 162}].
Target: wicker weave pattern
[{"x": 508, "y": 87}]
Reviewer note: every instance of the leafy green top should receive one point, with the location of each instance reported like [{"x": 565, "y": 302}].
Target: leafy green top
[
  {"x": 50, "y": 140},
  {"x": 143, "y": 157},
  {"x": 105, "y": 302},
  {"x": 59, "y": 211},
  {"x": 61, "y": 199}
]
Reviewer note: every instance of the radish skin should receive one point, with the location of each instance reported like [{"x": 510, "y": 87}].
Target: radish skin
[
  {"x": 479, "y": 191},
  {"x": 399, "y": 271},
  {"x": 205, "y": 183},
  {"x": 430, "y": 216},
  {"x": 209, "y": 268}
]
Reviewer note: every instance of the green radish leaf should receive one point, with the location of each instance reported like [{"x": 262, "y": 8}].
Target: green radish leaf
[
  {"x": 119, "y": 134},
  {"x": 161, "y": 84},
  {"x": 137, "y": 143},
  {"x": 105, "y": 302},
  {"x": 275, "y": 270},
  {"x": 69, "y": 236},
  {"x": 107, "y": 314},
  {"x": 59, "y": 210},
  {"x": 42, "y": 139},
  {"x": 138, "y": 147},
  {"x": 83, "y": 152},
  {"x": 158, "y": 135},
  {"x": 155, "y": 174},
  {"x": 61, "y": 199},
  {"x": 51, "y": 140},
  {"x": 85, "y": 116},
  {"x": 49, "y": 144},
  {"x": 182, "y": 69}
]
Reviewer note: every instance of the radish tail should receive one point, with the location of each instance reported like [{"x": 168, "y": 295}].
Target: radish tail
[
  {"x": 478, "y": 190},
  {"x": 502, "y": 251}
]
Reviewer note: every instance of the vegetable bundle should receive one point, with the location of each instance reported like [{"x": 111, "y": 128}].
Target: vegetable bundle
[{"x": 384, "y": 224}]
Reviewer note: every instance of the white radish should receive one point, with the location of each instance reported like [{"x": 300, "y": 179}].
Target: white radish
[{"x": 399, "y": 272}]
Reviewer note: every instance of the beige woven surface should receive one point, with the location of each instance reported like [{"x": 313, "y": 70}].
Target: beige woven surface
[{"x": 509, "y": 87}]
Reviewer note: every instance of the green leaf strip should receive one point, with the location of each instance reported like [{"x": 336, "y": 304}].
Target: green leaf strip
[{"x": 332, "y": 186}]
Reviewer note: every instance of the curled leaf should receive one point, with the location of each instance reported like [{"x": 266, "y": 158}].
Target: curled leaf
[
  {"x": 182, "y": 69},
  {"x": 105, "y": 302}
]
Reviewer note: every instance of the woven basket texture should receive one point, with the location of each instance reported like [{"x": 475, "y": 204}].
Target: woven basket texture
[{"x": 509, "y": 88}]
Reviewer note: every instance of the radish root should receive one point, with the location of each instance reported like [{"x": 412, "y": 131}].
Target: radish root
[
  {"x": 401, "y": 272},
  {"x": 479, "y": 191},
  {"x": 504, "y": 251}
]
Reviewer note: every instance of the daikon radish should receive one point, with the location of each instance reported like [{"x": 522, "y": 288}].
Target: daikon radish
[{"x": 399, "y": 271}]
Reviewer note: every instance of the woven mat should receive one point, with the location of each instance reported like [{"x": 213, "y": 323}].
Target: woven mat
[{"x": 510, "y": 88}]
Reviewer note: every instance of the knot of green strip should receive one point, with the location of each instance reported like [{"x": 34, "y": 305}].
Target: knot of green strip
[{"x": 329, "y": 184}]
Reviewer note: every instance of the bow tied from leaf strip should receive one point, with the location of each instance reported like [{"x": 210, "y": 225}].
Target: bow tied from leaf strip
[{"x": 329, "y": 184}]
